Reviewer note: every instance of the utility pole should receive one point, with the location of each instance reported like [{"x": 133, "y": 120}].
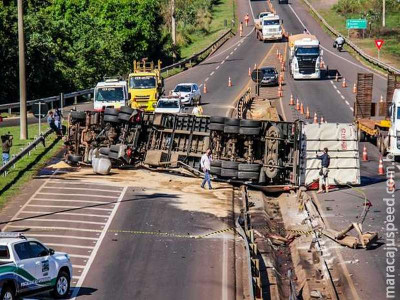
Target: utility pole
[
  {"x": 22, "y": 77},
  {"x": 173, "y": 27},
  {"x": 383, "y": 13}
]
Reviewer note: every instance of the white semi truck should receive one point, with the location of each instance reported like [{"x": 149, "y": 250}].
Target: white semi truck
[
  {"x": 305, "y": 56},
  {"x": 112, "y": 93},
  {"x": 270, "y": 28}
]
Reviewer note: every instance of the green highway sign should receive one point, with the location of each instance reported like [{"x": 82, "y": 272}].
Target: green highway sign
[{"x": 356, "y": 24}]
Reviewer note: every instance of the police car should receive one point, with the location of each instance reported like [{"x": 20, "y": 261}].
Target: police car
[{"x": 27, "y": 266}]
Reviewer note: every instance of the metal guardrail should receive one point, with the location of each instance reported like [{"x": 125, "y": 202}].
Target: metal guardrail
[
  {"x": 360, "y": 52},
  {"x": 51, "y": 100},
  {"x": 25, "y": 151},
  {"x": 243, "y": 103},
  {"x": 196, "y": 58}
]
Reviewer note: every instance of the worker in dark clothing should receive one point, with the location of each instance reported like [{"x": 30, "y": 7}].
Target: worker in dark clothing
[
  {"x": 323, "y": 173},
  {"x": 6, "y": 144},
  {"x": 51, "y": 122}
]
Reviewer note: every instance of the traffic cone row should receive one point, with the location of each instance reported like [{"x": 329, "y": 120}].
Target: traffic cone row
[
  {"x": 381, "y": 100},
  {"x": 380, "y": 167},
  {"x": 280, "y": 93},
  {"x": 344, "y": 83},
  {"x": 315, "y": 118},
  {"x": 322, "y": 120},
  {"x": 355, "y": 89},
  {"x": 229, "y": 82},
  {"x": 277, "y": 53},
  {"x": 249, "y": 72},
  {"x": 365, "y": 154},
  {"x": 302, "y": 109},
  {"x": 308, "y": 114},
  {"x": 297, "y": 105},
  {"x": 291, "y": 100},
  {"x": 391, "y": 184},
  {"x": 205, "y": 88}
]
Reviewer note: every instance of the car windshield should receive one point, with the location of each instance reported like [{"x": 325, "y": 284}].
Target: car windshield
[
  {"x": 268, "y": 71},
  {"x": 167, "y": 104},
  {"x": 307, "y": 51},
  {"x": 264, "y": 14},
  {"x": 109, "y": 94},
  {"x": 183, "y": 89},
  {"x": 142, "y": 82},
  {"x": 271, "y": 22}
]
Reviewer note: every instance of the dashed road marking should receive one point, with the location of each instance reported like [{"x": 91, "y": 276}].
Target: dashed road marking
[
  {"x": 212, "y": 73},
  {"x": 54, "y": 228},
  {"x": 347, "y": 102},
  {"x": 72, "y": 207},
  {"x": 200, "y": 85},
  {"x": 61, "y": 236},
  {"x": 77, "y": 188},
  {"x": 222, "y": 62},
  {"x": 342, "y": 97},
  {"x": 231, "y": 53},
  {"x": 69, "y": 246},
  {"x": 62, "y": 213},
  {"x": 62, "y": 220},
  {"x": 235, "y": 49},
  {"x": 352, "y": 109},
  {"x": 67, "y": 200},
  {"x": 206, "y": 79},
  {"x": 217, "y": 67},
  {"x": 227, "y": 57},
  {"x": 83, "y": 195}
]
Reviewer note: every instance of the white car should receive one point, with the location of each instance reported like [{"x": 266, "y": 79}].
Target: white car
[
  {"x": 27, "y": 266},
  {"x": 168, "y": 105},
  {"x": 188, "y": 92}
]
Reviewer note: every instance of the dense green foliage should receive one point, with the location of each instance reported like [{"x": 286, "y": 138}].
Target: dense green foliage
[{"x": 71, "y": 44}]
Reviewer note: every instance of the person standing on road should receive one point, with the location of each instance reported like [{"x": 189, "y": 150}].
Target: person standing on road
[
  {"x": 51, "y": 122},
  {"x": 6, "y": 144},
  {"x": 57, "y": 120},
  {"x": 241, "y": 29},
  {"x": 205, "y": 164},
  {"x": 246, "y": 20},
  {"x": 323, "y": 173}
]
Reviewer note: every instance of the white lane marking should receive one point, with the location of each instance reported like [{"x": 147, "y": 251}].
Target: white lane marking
[
  {"x": 251, "y": 9},
  {"x": 352, "y": 109},
  {"x": 84, "y": 184},
  {"x": 67, "y": 206},
  {"x": 38, "y": 213},
  {"x": 97, "y": 246},
  {"x": 338, "y": 92},
  {"x": 69, "y": 246},
  {"x": 334, "y": 54},
  {"x": 78, "y": 266},
  {"x": 63, "y": 220},
  {"x": 222, "y": 62},
  {"x": 224, "y": 270},
  {"x": 231, "y": 53},
  {"x": 217, "y": 67},
  {"x": 56, "y": 228},
  {"x": 342, "y": 97},
  {"x": 235, "y": 49},
  {"x": 62, "y": 236},
  {"x": 332, "y": 82},
  {"x": 83, "y": 195},
  {"x": 335, "y": 87},
  {"x": 81, "y": 189},
  {"x": 200, "y": 85},
  {"x": 76, "y": 277},
  {"x": 227, "y": 57},
  {"x": 212, "y": 73},
  {"x": 347, "y": 102},
  {"x": 206, "y": 79},
  {"x": 67, "y": 200}
]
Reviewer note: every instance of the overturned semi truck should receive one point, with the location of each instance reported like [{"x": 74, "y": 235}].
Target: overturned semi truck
[{"x": 259, "y": 151}]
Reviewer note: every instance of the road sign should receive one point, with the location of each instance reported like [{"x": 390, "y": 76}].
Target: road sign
[
  {"x": 257, "y": 76},
  {"x": 40, "y": 109},
  {"x": 356, "y": 24},
  {"x": 379, "y": 44}
]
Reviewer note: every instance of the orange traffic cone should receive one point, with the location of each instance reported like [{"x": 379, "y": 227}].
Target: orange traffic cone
[
  {"x": 249, "y": 72},
  {"x": 315, "y": 118},
  {"x": 280, "y": 93},
  {"x": 380, "y": 167},
  {"x": 308, "y": 113},
  {"x": 355, "y": 89},
  {"x": 381, "y": 100},
  {"x": 283, "y": 67},
  {"x": 297, "y": 104},
  {"x": 255, "y": 66},
  {"x": 344, "y": 82},
  {"x": 280, "y": 86},
  {"x": 277, "y": 53},
  {"x": 229, "y": 82},
  {"x": 365, "y": 154},
  {"x": 391, "y": 184},
  {"x": 205, "y": 88},
  {"x": 337, "y": 76},
  {"x": 322, "y": 119},
  {"x": 291, "y": 100},
  {"x": 302, "y": 109}
]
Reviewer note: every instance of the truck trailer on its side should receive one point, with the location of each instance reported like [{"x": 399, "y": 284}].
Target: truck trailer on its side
[{"x": 304, "y": 56}]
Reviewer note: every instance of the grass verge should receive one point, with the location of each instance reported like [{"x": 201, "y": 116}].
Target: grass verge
[
  {"x": 28, "y": 166},
  {"x": 224, "y": 10}
]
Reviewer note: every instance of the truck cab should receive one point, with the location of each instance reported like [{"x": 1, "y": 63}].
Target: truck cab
[
  {"x": 394, "y": 130},
  {"x": 145, "y": 85},
  {"x": 111, "y": 93},
  {"x": 271, "y": 28}
]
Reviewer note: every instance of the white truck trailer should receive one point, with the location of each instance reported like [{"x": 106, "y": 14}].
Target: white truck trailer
[{"x": 304, "y": 57}]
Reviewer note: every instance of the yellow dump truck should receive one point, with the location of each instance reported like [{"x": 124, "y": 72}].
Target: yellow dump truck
[{"x": 145, "y": 85}]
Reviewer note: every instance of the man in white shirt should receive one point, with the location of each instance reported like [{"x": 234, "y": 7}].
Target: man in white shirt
[{"x": 205, "y": 164}]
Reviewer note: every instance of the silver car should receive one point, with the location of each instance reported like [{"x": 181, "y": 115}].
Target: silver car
[{"x": 189, "y": 93}]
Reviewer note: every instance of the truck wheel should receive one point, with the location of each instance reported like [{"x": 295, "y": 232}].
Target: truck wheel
[
  {"x": 111, "y": 112},
  {"x": 231, "y": 129},
  {"x": 78, "y": 115},
  {"x": 249, "y": 131},
  {"x": 7, "y": 293},
  {"x": 227, "y": 164},
  {"x": 229, "y": 173},
  {"x": 232, "y": 122},
  {"x": 216, "y": 127},
  {"x": 215, "y": 171},
  {"x": 249, "y": 167},
  {"x": 61, "y": 289},
  {"x": 271, "y": 171},
  {"x": 217, "y": 119},
  {"x": 111, "y": 119},
  {"x": 248, "y": 175}
]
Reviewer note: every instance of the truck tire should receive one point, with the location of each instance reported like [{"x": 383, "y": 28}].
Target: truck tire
[
  {"x": 248, "y": 175},
  {"x": 216, "y": 127},
  {"x": 227, "y": 164},
  {"x": 74, "y": 158},
  {"x": 216, "y": 163},
  {"x": 249, "y": 131},
  {"x": 111, "y": 112},
  {"x": 231, "y": 129},
  {"x": 111, "y": 119},
  {"x": 271, "y": 172},
  {"x": 232, "y": 122},
  {"x": 78, "y": 115},
  {"x": 229, "y": 173},
  {"x": 124, "y": 117},
  {"x": 126, "y": 110},
  {"x": 62, "y": 286},
  {"x": 217, "y": 119},
  {"x": 249, "y": 167},
  {"x": 7, "y": 293},
  {"x": 215, "y": 171},
  {"x": 250, "y": 123}
]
